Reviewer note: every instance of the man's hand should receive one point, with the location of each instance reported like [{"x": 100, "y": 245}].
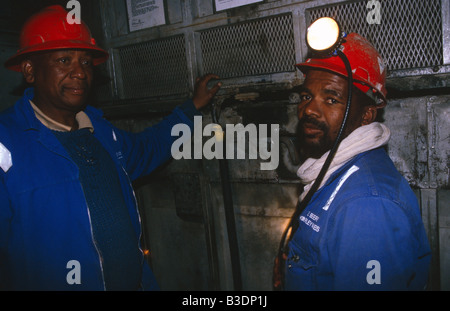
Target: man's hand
[{"x": 203, "y": 95}]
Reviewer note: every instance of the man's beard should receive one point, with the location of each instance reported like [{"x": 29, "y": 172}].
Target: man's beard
[{"x": 313, "y": 149}]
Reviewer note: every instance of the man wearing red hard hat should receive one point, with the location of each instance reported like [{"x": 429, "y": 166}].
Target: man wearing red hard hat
[
  {"x": 68, "y": 214},
  {"x": 360, "y": 228}
]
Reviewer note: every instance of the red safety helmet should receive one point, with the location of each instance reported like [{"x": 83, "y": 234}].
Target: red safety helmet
[
  {"x": 369, "y": 71},
  {"x": 49, "y": 30}
]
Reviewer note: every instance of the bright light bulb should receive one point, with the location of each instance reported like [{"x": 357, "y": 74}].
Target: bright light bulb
[{"x": 323, "y": 34}]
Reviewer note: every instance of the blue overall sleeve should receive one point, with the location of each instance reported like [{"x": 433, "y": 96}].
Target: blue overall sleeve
[
  {"x": 373, "y": 246},
  {"x": 146, "y": 150}
]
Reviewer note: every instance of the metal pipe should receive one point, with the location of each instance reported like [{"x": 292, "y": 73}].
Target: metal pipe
[{"x": 229, "y": 217}]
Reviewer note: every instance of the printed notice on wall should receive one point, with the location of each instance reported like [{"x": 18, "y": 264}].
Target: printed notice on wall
[
  {"x": 145, "y": 13},
  {"x": 228, "y": 4}
]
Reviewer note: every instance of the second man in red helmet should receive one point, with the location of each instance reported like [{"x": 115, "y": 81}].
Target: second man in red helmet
[{"x": 362, "y": 228}]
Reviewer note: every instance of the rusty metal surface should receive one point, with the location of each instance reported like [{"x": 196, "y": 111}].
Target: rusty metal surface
[{"x": 420, "y": 143}]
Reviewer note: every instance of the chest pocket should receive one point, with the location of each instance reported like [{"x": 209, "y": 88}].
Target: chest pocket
[{"x": 301, "y": 269}]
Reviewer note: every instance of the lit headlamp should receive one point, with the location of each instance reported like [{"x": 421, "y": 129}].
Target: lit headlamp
[{"x": 324, "y": 36}]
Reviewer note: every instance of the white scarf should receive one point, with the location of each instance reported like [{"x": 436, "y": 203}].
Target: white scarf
[{"x": 364, "y": 138}]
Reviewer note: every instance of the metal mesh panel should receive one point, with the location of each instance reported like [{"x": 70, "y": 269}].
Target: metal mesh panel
[
  {"x": 409, "y": 34},
  {"x": 257, "y": 47},
  {"x": 154, "y": 68}
]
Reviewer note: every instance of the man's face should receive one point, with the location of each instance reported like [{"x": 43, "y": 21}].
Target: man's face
[
  {"x": 321, "y": 110},
  {"x": 62, "y": 80}
]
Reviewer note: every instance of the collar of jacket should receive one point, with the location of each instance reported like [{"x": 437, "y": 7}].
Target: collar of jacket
[{"x": 31, "y": 122}]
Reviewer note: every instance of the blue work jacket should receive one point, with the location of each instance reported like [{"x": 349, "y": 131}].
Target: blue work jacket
[
  {"x": 362, "y": 230},
  {"x": 44, "y": 218}
]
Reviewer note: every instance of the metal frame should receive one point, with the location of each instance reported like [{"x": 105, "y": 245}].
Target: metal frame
[{"x": 194, "y": 16}]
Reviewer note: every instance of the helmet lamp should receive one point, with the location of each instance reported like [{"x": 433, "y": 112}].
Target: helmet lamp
[{"x": 323, "y": 36}]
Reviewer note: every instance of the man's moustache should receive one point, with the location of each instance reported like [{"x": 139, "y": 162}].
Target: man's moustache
[{"x": 314, "y": 122}]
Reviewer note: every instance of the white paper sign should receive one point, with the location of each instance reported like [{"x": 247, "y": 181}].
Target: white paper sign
[
  {"x": 145, "y": 13},
  {"x": 228, "y": 4}
]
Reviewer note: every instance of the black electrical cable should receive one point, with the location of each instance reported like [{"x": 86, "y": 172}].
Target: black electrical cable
[
  {"x": 294, "y": 222},
  {"x": 229, "y": 217}
]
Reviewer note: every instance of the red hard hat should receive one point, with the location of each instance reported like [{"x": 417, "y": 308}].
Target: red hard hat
[
  {"x": 49, "y": 30},
  {"x": 369, "y": 72}
]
